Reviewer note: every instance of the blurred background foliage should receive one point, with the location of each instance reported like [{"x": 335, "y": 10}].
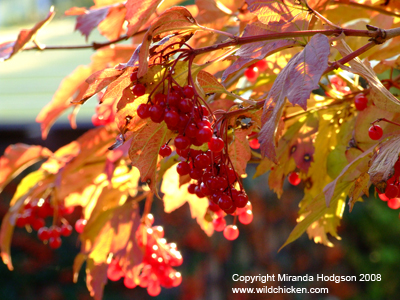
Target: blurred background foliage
[{"x": 370, "y": 234}]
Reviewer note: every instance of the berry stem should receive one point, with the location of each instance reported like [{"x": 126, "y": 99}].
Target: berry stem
[{"x": 385, "y": 120}]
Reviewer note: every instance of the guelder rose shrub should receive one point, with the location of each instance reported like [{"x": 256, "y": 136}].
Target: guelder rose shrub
[{"x": 199, "y": 93}]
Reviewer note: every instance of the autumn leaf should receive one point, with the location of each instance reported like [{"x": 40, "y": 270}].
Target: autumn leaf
[
  {"x": 17, "y": 158},
  {"x": 295, "y": 82},
  {"x": 275, "y": 11},
  {"x": 380, "y": 96},
  {"x": 249, "y": 53},
  {"x": 209, "y": 83},
  {"x": 145, "y": 145},
  {"x": 112, "y": 26},
  {"x": 138, "y": 12},
  {"x": 175, "y": 19},
  {"x": 239, "y": 150},
  {"x": 96, "y": 278},
  {"x": 385, "y": 156},
  {"x": 8, "y": 49},
  {"x": 72, "y": 87},
  {"x": 360, "y": 187},
  {"x": 175, "y": 197}
]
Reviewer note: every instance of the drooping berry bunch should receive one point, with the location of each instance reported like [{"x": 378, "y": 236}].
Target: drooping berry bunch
[
  {"x": 252, "y": 72},
  {"x": 158, "y": 260},
  {"x": 392, "y": 190},
  {"x": 34, "y": 214}
]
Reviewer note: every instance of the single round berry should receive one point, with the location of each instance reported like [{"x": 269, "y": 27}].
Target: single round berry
[
  {"x": 129, "y": 282},
  {"x": 171, "y": 118},
  {"x": 156, "y": 113},
  {"x": 188, "y": 91},
  {"x": 182, "y": 142},
  {"x": 293, "y": 178},
  {"x": 191, "y": 188},
  {"x": 134, "y": 76},
  {"x": 204, "y": 189},
  {"x": 54, "y": 231},
  {"x": 246, "y": 217},
  {"x": 240, "y": 199},
  {"x": 183, "y": 168},
  {"x": 375, "y": 132},
  {"x": 262, "y": 65},
  {"x": 251, "y": 74},
  {"x": 204, "y": 122},
  {"x": 391, "y": 191},
  {"x": 154, "y": 289},
  {"x": 80, "y": 225},
  {"x": 202, "y": 161},
  {"x": 139, "y": 89},
  {"x": 394, "y": 203},
  {"x": 38, "y": 223},
  {"x": 213, "y": 206},
  {"x": 191, "y": 130},
  {"x": 196, "y": 173},
  {"x": 216, "y": 144},
  {"x": 66, "y": 230},
  {"x": 43, "y": 234},
  {"x": 186, "y": 105},
  {"x": 254, "y": 144},
  {"x": 173, "y": 99},
  {"x": 383, "y": 197},
  {"x": 160, "y": 99},
  {"x": 165, "y": 151},
  {"x": 360, "y": 101},
  {"x": 219, "y": 224},
  {"x": 204, "y": 134},
  {"x": 225, "y": 202},
  {"x": 55, "y": 242},
  {"x": 231, "y": 232}
]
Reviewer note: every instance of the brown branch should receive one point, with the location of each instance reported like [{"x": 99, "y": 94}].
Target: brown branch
[
  {"x": 93, "y": 45},
  {"x": 369, "y": 7}
]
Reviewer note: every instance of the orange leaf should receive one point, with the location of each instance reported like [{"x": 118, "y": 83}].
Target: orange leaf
[
  {"x": 17, "y": 158},
  {"x": 209, "y": 83},
  {"x": 138, "y": 12},
  {"x": 175, "y": 196},
  {"x": 239, "y": 150},
  {"x": 146, "y": 143},
  {"x": 8, "y": 49},
  {"x": 112, "y": 26},
  {"x": 72, "y": 87}
]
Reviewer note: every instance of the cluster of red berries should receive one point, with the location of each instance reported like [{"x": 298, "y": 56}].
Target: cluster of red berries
[
  {"x": 392, "y": 190},
  {"x": 339, "y": 84},
  {"x": 231, "y": 232},
  {"x": 158, "y": 260},
  {"x": 34, "y": 214},
  {"x": 254, "y": 70}
]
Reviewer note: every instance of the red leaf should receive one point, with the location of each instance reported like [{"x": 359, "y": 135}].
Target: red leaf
[
  {"x": 17, "y": 158},
  {"x": 138, "y": 12},
  {"x": 8, "y": 49},
  {"x": 295, "y": 82},
  {"x": 72, "y": 87},
  {"x": 146, "y": 143},
  {"x": 112, "y": 26}
]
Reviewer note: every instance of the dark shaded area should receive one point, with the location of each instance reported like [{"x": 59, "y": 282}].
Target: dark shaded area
[{"x": 370, "y": 245}]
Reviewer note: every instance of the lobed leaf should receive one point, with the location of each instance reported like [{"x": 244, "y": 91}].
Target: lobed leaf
[
  {"x": 17, "y": 158},
  {"x": 295, "y": 82},
  {"x": 138, "y": 12}
]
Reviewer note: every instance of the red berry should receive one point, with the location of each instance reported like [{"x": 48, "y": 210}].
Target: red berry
[
  {"x": 383, "y": 197},
  {"x": 391, "y": 191},
  {"x": 38, "y": 223},
  {"x": 216, "y": 144},
  {"x": 183, "y": 152},
  {"x": 55, "y": 242},
  {"x": 213, "y": 206},
  {"x": 246, "y": 217},
  {"x": 198, "y": 192},
  {"x": 43, "y": 234},
  {"x": 173, "y": 99},
  {"x": 54, "y": 231},
  {"x": 202, "y": 161},
  {"x": 143, "y": 111},
  {"x": 188, "y": 91},
  {"x": 204, "y": 189},
  {"x": 154, "y": 289},
  {"x": 251, "y": 74},
  {"x": 231, "y": 232},
  {"x": 262, "y": 65},
  {"x": 191, "y": 130},
  {"x": 21, "y": 221},
  {"x": 204, "y": 122},
  {"x": 240, "y": 199},
  {"x": 204, "y": 134},
  {"x": 139, "y": 89},
  {"x": 114, "y": 271},
  {"x": 160, "y": 99},
  {"x": 66, "y": 230},
  {"x": 156, "y": 113},
  {"x": 219, "y": 224},
  {"x": 183, "y": 120},
  {"x": 182, "y": 142},
  {"x": 293, "y": 178},
  {"x": 171, "y": 118},
  {"x": 134, "y": 76},
  {"x": 80, "y": 225},
  {"x": 205, "y": 111},
  {"x": 225, "y": 202},
  {"x": 375, "y": 132},
  {"x": 254, "y": 143},
  {"x": 196, "y": 173},
  {"x": 191, "y": 188},
  {"x": 186, "y": 105},
  {"x": 394, "y": 203},
  {"x": 183, "y": 168},
  {"x": 165, "y": 151},
  {"x": 360, "y": 101}
]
